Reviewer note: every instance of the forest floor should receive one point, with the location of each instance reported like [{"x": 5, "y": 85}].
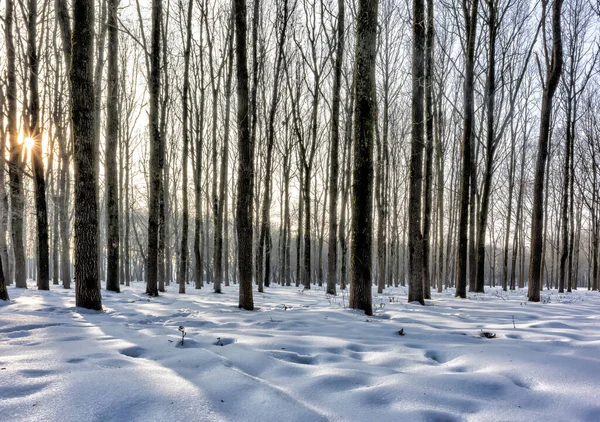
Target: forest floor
[{"x": 301, "y": 356}]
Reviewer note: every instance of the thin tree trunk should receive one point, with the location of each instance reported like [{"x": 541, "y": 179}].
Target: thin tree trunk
[
  {"x": 427, "y": 187},
  {"x": 554, "y": 70},
  {"x": 335, "y": 137},
  {"x": 112, "y": 133},
  {"x": 156, "y": 148},
  {"x": 183, "y": 260},
  {"x": 470, "y": 16}
]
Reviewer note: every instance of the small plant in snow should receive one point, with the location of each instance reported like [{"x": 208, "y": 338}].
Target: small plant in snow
[
  {"x": 183, "y": 333},
  {"x": 487, "y": 334}
]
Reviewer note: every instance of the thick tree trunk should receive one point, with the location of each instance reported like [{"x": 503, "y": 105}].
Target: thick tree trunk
[
  {"x": 364, "y": 131},
  {"x": 87, "y": 294},
  {"x": 415, "y": 236}
]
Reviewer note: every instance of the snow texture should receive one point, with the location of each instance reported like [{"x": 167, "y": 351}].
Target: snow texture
[{"x": 301, "y": 356}]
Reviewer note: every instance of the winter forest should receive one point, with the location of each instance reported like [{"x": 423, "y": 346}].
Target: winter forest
[{"x": 395, "y": 168}]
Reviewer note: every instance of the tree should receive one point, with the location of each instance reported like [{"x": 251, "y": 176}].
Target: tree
[
  {"x": 264, "y": 225},
  {"x": 245, "y": 162},
  {"x": 43, "y": 269},
  {"x": 364, "y": 132},
  {"x": 156, "y": 153},
  {"x": 335, "y": 139},
  {"x": 181, "y": 275},
  {"x": 470, "y": 17},
  {"x": 427, "y": 186},
  {"x": 15, "y": 169},
  {"x": 87, "y": 293},
  {"x": 553, "y": 72},
  {"x": 415, "y": 236},
  {"x": 112, "y": 134}
]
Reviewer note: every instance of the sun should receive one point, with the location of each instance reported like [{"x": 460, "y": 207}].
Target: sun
[{"x": 29, "y": 142}]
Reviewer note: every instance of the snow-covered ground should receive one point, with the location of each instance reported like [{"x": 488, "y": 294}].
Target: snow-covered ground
[{"x": 301, "y": 356}]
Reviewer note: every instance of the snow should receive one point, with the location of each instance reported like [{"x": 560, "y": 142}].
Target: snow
[{"x": 301, "y": 356}]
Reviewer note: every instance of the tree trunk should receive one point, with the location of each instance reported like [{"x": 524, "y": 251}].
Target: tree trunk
[
  {"x": 87, "y": 294},
  {"x": 364, "y": 130},
  {"x": 415, "y": 192},
  {"x": 112, "y": 133},
  {"x": 245, "y": 164},
  {"x": 16, "y": 163},
  {"x": 470, "y": 16},
  {"x": 335, "y": 139},
  {"x": 427, "y": 187},
  {"x": 183, "y": 260},
  {"x": 554, "y": 70}
]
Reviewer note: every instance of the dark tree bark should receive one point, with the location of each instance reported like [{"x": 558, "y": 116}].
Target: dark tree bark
[
  {"x": 42, "y": 261},
  {"x": 112, "y": 135},
  {"x": 553, "y": 72},
  {"x": 335, "y": 139},
  {"x": 427, "y": 187},
  {"x": 346, "y": 180},
  {"x": 156, "y": 147},
  {"x": 87, "y": 294},
  {"x": 199, "y": 265},
  {"x": 415, "y": 236},
  {"x": 245, "y": 162},
  {"x": 264, "y": 244},
  {"x": 4, "y": 209},
  {"x": 183, "y": 260},
  {"x": 490, "y": 97},
  {"x": 470, "y": 16},
  {"x": 218, "y": 258},
  {"x": 511, "y": 185},
  {"x": 15, "y": 168},
  {"x": 364, "y": 132}
]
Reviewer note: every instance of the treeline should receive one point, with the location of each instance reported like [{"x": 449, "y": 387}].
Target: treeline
[{"x": 439, "y": 144}]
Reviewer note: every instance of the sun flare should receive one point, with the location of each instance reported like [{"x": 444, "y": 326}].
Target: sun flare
[{"x": 29, "y": 142}]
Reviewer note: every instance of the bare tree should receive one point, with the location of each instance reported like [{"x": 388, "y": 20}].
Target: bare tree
[
  {"x": 245, "y": 162},
  {"x": 87, "y": 293},
  {"x": 415, "y": 236},
  {"x": 112, "y": 135},
  {"x": 554, "y": 64},
  {"x": 364, "y": 132},
  {"x": 470, "y": 18},
  {"x": 156, "y": 151}
]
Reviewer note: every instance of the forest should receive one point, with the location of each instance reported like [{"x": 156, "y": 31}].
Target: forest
[
  {"x": 451, "y": 145},
  {"x": 299, "y": 209}
]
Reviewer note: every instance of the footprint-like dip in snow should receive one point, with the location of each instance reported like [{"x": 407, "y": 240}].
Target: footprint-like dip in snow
[{"x": 133, "y": 351}]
